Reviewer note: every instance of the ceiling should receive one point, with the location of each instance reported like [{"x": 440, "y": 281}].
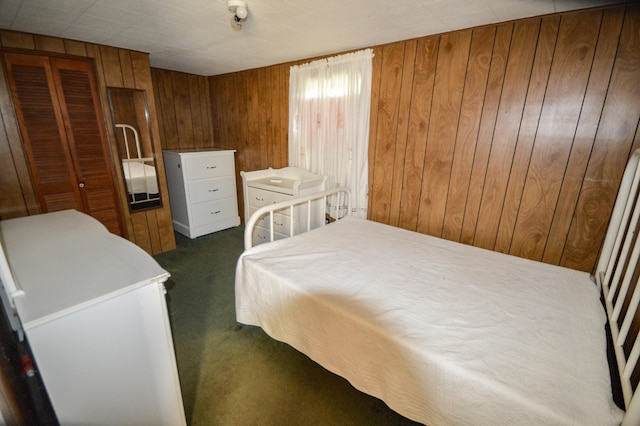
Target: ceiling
[{"x": 195, "y": 36}]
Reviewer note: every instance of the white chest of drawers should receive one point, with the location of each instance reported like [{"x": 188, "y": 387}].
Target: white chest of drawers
[
  {"x": 202, "y": 190},
  {"x": 270, "y": 186},
  {"x": 93, "y": 309}
]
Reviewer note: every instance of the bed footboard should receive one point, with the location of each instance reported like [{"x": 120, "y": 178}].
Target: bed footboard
[
  {"x": 342, "y": 193},
  {"x": 618, "y": 273}
]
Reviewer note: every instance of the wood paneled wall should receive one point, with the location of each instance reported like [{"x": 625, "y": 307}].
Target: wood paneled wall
[
  {"x": 184, "y": 109},
  {"x": 250, "y": 114},
  {"x": 512, "y": 137},
  {"x": 152, "y": 229}
]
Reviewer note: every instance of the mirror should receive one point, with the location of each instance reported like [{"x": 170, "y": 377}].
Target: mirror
[{"x": 133, "y": 136}]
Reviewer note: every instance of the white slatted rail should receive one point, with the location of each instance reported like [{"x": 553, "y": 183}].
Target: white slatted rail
[
  {"x": 342, "y": 193},
  {"x": 617, "y": 273}
]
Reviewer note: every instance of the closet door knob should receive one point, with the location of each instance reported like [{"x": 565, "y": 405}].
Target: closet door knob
[{"x": 81, "y": 184}]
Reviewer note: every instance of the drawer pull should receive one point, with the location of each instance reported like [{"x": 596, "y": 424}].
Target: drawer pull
[
  {"x": 278, "y": 224},
  {"x": 216, "y": 212},
  {"x": 213, "y": 190},
  {"x": 259, "y": 199},
  {"x": 211, "y": 167}
]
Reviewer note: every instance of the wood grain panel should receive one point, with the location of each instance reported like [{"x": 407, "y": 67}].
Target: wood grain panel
[
  {"x": 445, "y": 111},
  {"x": 420, "y": 113},
  {"x": 181, "y": 103},
  {"x": 376, "y": 71},
  {"x": 272, "y": 130},
  {"x": 156, "y": 95},
  {"x": 281, "y": 147},
  {"x": 196, "y": 111},
  {"x": 11, "y": 193},
  {"x": 221, "y": 98},
  {"x": 167, "y": 115},
  {"x": 501, "y": 45},
  {"x": 18, "y": 197},
  {"x": 126, "y": 67},
  {"x": 503, "y": 143},
  {"x": 257, "y": 119},
  {"x": 16, "y": 40},
  {"x": 261, "y": 110},
  {"x": 49, "y": 44},
  {"x": 612, "y": 147},
  {"x": 585, "y": 134},
  {"x": 402, "y": 131},
  {"x": 475, "y": 85},
  {"x": 241, "y": 134},
  {"x": 528, "y": 129},
  {"x": 388, "y": 105},
  {"x": 110, "y": 59},
  {"x": 558, "y": 122},
  {"x": 76, "y": 48}
]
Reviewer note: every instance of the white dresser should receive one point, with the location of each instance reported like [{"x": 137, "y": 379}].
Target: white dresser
[
  {"x": 202, "y": 190},
  {"x": 92, "y": 307},
  {"x": 270, "y": 186}
]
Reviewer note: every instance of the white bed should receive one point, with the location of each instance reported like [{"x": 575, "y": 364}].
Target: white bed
[
  {"x": 140, "y": 177},
  {"x": 445, "y": 333},
  {"x": 139, "y": 171}
]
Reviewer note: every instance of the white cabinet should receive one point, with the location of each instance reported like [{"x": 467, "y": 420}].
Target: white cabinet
[
  {"x": 270, "y": 186},
  {"x": 92, "y": 307},
  {"x": 202, "y": 190}
]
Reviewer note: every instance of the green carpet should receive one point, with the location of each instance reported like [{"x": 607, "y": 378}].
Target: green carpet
[{"x": 232, "y": 374}]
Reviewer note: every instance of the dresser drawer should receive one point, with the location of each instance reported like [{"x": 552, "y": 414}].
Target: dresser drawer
[
  {"x": 211, "y": 189},
  {"x": 259, "y": 197},
  {"x": 210, "y": 166},
  {"x": 206, "y": 213}
]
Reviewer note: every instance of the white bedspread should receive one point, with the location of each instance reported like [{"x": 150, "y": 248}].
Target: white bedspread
[
  {"x": 140, "y": 177},
  {"x": 442, "y": 332}
]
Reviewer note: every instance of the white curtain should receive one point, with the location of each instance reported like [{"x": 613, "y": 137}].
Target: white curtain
[{"x": 329, "y": 104}]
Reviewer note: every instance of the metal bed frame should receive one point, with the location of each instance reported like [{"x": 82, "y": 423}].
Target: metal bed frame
[{"x": 617, "y": 274}]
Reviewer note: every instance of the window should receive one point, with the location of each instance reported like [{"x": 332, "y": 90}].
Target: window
[{"x": 329, "y": 105}]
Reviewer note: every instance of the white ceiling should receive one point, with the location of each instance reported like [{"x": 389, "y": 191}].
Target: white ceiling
[{"x": 195, "y": 36}]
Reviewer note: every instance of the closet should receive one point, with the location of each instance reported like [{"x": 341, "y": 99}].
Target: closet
[{"x": 58, "y": 109}]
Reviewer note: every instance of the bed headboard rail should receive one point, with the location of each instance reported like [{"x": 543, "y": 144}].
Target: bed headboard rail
[
  {"x": 342, "y": 193},
  {"x": 618, "y": 273},
  {"x": 136, "y": 139}
]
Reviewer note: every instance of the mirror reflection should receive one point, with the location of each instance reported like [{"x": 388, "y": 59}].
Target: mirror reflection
[{"x": 133, "y": 136}]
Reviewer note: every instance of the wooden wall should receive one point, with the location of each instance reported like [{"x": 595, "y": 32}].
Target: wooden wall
[
  {"x": 511, "y": 137},
  {"x": 152, "y": 229},
  {"x": 251, "y": 110},
  {"x": 250, "y": 114},
  {"x": 184, "y": 109}
]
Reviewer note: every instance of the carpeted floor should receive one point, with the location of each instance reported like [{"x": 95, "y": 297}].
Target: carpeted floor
[{"x": 236, "y": 375}]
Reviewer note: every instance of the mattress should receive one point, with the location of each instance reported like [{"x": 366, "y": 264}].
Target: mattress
[
  {"x": 443, "y": 333},
  {"x": 140, "y": 177}
]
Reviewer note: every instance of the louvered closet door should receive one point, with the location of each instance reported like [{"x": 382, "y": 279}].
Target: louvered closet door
[
  {"x": 42, "y": 128},
  {"x": 57, "y": 105},
  {"x": 82, "y": 116}
]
